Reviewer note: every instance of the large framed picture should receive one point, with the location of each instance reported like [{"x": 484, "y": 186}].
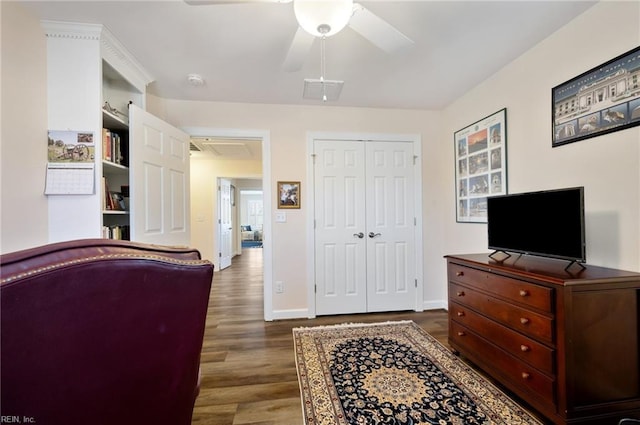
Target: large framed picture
[
  {"x": 602, "y": 100},
  {"x": 288, "y": 194},
  {"x": 481, "y": 166}
]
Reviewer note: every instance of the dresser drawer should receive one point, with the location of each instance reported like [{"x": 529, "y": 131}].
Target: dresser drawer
[
  {"x": 515, "y": 374},
  {"x": 526, "y": 349},
  {"x": 518, "y": 291},
  {"x": 535, "y": 325}
]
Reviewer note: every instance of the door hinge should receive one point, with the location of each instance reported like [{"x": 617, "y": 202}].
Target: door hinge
[
  {"x": 415, "y": 157},
  {"x": 315, "y": 289},
  {"x": 416, "y": 281},
  {"x": 415, "y": 221}
]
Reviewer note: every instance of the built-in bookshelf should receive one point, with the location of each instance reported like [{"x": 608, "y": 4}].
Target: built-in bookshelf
[
  {"x": 117, "y": 94},
  {"x": 132, "y": 160}
]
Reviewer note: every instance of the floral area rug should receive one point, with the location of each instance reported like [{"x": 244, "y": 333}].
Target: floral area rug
[{"x": 393, "y": 373}]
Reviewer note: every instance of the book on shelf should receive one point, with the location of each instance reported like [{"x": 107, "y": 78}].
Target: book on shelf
[
  {"x": 107, "y": 199},
  {"x": 113, "y": 147},
  {"x": 116, "y": 148},
  {"x": 104, "y": 192},
  {"x": 116, "y": 232},
  {"x": 106, "y": 144}
]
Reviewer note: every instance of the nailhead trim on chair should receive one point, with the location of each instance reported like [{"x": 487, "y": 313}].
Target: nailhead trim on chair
[{"x": 102, "y": 257}]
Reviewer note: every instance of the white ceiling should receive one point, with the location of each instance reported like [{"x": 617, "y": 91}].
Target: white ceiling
[{"x": 239, "y": 49}]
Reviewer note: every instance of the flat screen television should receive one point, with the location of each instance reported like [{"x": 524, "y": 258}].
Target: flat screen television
[{"x": 547, "y": 223}]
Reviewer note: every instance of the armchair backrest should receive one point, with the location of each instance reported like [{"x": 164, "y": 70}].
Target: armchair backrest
[{"x": 102, "y": 332}]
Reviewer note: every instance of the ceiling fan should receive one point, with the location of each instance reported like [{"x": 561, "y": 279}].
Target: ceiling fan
[{"x": 323, "y": 18}]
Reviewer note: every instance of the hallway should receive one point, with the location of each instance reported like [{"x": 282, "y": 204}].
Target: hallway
[{"x": 248, "y": 369}]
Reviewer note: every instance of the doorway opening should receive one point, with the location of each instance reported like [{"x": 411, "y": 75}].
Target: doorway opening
[
  {"x": 220, "y": 146},
  {"x": 251, "y": 218}
]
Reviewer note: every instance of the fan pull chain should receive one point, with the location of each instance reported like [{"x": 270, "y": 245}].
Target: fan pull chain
[{"x": 322, "y": 68}]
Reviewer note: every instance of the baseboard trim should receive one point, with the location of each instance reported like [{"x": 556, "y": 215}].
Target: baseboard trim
[
  {"x": 435, "y": 305},
  {"x": 301, "y": 313}
]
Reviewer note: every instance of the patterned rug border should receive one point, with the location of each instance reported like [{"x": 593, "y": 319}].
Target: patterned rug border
[
  {"x": 327, "y": 410},
  {"x": 352, "y": 325}
]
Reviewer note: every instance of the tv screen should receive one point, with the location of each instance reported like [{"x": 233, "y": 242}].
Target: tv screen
[{"x": 547, "y": 223}]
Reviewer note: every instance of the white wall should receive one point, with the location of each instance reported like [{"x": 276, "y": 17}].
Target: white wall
[
  {"x": 607, "y": 166},
  {"x": 23, "y": 158},
  {"x": 288, "y": 126}
]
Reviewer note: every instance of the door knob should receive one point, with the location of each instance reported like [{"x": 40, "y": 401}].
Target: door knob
[
  {"x": 359, "y": 235},
  {"x": 373, "y": 235}
]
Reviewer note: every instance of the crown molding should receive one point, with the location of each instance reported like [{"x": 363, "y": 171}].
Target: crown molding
[
  {"x": 71, "y": 30},
  {"x": 111, "y": 50},
  {"x": 123, "y": 61}
]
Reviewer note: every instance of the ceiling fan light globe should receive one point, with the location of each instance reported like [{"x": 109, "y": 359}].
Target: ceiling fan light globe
[{"x": 315, "y": 16}]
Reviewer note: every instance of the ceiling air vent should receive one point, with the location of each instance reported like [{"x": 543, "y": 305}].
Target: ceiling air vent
[
  {"x": 194, "y": 148},
  {"x": 325, "y": 90}
]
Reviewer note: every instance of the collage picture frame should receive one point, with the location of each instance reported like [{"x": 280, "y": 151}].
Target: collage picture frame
[{"x": 481, "y": 166}]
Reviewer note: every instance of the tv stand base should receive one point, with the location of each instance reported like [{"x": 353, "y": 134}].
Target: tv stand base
[{"x": 497, "y": 251}]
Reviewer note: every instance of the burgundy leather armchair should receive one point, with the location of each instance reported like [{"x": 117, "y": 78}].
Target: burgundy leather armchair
[{"x": 100, "y": 332}]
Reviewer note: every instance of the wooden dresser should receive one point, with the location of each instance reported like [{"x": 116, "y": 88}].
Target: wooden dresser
[{"x": 566, "y": 342}]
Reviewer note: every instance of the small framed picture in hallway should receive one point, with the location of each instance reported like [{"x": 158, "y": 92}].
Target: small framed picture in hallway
[{"x": 288, "y": 195}]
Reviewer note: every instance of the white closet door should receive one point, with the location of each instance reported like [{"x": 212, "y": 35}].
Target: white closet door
[
  {"x": 340, "y": 253},
  {"x": 226, "y": 223},
  {"x": 364, "y": 189},
  {"x": 159, "y": 186},
  {"x": 390, "y": 210}
]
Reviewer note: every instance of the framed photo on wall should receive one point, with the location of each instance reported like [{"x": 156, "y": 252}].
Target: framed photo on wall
[
  {"x": 602, "y": 100},
  {"x": 288, "y": 195},
  {"x": 481, "y": 166},
  {"x": 232, "y": 196}
]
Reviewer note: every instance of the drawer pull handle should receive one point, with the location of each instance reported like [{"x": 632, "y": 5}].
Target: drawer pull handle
[
  {"x": 460, "y": 333},
  {"x": 526, "y": 375},
  {"x": 525, "y": 348},
  {"x": 460, "y": 293},
  {"x": 460, "y": 313},
  {"x": 459, "y": 274},
  {"x": 524, "y": 320},
  {"x": 524, "y": 293}
]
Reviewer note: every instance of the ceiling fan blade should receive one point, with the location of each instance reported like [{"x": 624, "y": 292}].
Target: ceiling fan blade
[
  {"x": 210, "y": 2},
  {"x": 377, "y": 31},
  {"x": 298, "y": 51}
]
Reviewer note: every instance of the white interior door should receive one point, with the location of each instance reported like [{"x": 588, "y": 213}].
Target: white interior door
[
  {"x": 391, "y": 269},
  {"x": 340, "y": 242},
  {"x": 225, "y": 225},
  {"x": 159, "y": 186},
  {"x": 364, "y": 226}
]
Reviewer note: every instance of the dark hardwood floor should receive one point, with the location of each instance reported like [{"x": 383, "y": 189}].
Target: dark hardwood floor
[{"x": 248, "y": 370}]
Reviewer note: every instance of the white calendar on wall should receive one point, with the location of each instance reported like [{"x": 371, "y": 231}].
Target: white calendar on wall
[
  {"x": 70, "y": 179},
  {"x": 71, "y": 163}
]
